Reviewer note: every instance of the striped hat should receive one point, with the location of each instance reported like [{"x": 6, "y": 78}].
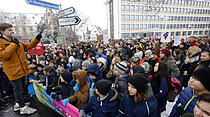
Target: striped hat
[{"x": 121, "y": 67}]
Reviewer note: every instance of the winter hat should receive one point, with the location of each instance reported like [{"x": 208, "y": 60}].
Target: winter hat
[
  {"x": 42, "y": 58},
  {"x": 85, "y": 64},
  {"x": 63, "y": 64},
  {"x": 88, "y": 46},
  {"x": 203, "y": 76},
  {"x": 61, "y": 52},
  {"x": 149, "y": 52},
  {"x": 77, "y": 64},
  {"x": 71, "y": 59},
  {"x": 67, "y": 76},
  {"x": 138, "y": 69},
  {"x": 41, "y": 64},
  {"x": 139, "y": 55},
  {"x": 139, "y": 81},
  {"x": 166, "y": 52},
  {"x": 121, "y": 67},
  {"x": 102, "y": 60},
  {"x": 103, "y": 86}
]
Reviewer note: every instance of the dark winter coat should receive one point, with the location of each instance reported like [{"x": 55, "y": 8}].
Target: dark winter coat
[
  {"x": 152, "y": 62},
  {"x": 146, "y": 108},
  {"x": 160, "y": 92},
  {"x": 186, "y": 96},
  {"x": 203, "y": 64},
  {"x": 103, "y": 108},
  {"x": 121, "y": 85},
  {"x": 66, "y": 90}
]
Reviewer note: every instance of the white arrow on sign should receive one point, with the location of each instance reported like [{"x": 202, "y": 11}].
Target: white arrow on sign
[
  {"x": 68, "y": 21},
  {"x": 67, "y": 11}
]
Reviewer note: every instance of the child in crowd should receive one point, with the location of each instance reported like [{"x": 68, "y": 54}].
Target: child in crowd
[
  {"x": 104, "y": 103},
  {"x": 81, "y": 90}
]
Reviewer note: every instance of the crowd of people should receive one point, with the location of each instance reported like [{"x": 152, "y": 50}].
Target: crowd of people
[{"x": 131, "y": 78}]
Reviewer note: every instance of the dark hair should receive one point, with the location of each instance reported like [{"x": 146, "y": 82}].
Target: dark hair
[
  {"x": 48, "y": 69},
  {"x": 204, "y": 97},
  {"x": 4, "y": 26},
  {"x": 160, "y": 74},
  {"x": 206, "y": 50}
]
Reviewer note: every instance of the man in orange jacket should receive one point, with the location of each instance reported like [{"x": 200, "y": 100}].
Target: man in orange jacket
[{"x": 14, "y": 62}]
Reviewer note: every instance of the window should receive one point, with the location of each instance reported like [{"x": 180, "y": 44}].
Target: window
[
  {"x": 137, "y": 17},
  {"x": 132, "y": 8},
  {"x": 132, "y": 26},
  {"x": 127, "y": 7},
  {"x": 132, "y": 17},
  {"x": 127, "y": 27},
  {"x": 123, "y": 7},
  {"x": 137, "y": 8},
  {"x": 141, "y": 27},
  {"x": 145, "y": 26},
  {"x": 144, "y": 17},
  {"x": 149, "y": 26},
  {"x": 127, "y": 17},
  {"x": 123, "y": 26},
  {"x": 141, "y": 18},
  {"x": 123, "y": 17},
  {"x": 136, "y": 26}
]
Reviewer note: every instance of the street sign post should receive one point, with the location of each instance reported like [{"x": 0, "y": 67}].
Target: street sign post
[
  {"x": 66, "y": 12},
  {"x": 43, "y": 4},
  {"x": 68, "y": 21}
]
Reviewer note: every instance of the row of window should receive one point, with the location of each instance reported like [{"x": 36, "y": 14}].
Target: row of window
[
  {"x": 179, "y": 2},
  {"x": 129, "y": 17},
  {"x": 161, "y": 26},
  {"x": 178, "y": 33},
  {"x": 140, "y": 8}
]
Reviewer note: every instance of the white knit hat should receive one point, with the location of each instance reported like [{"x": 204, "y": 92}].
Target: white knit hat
[
  {"x": 102, "y": 60},
  {"x": 71, "y": 59}
]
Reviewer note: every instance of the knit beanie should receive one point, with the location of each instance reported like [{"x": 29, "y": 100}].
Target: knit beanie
[
  {"x": 149, "y": 52},
  {"x": 63, "y": 64},
  {"x": 61, "y": 52},
  {"x": 85, "y": 64},
  {"x": 67, "y": 76},
  {"x": 203, "y": 76},
  {"x": 102, "y": 60},
  {"x": 139, "y": 81},
  {"x": 139, "y": 55},
  {"x": 166, "y": 52},
  {"x": 121, "y": 67},
  {"x": 103, "y": 86},
  {"x": 41, "y": 57},
  {"x": 71, "y": 59}
]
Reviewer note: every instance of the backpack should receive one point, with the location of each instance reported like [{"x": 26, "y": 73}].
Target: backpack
[{"x": 174, "y": 86}]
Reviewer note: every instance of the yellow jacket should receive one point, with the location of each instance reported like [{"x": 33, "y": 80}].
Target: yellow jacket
[{"x": 13, "y": 58}]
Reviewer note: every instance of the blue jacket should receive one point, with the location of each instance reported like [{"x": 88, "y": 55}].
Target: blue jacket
[
  {"x": 185, "y": 97},
  {"x": 93, "y": 68},
  {"x": 161, "y": 92},
  {"x": 103, "y": 108},
  {"x": 142, "y": 109}
]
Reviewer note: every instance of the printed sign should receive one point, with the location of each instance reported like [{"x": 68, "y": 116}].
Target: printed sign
[{"x": 38, "y": 50}]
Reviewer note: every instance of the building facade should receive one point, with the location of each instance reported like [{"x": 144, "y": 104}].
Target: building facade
[{"x": 132, "y": 18}]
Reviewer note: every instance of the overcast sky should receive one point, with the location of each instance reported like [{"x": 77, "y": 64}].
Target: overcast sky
[{"x": 94, "y": 9}]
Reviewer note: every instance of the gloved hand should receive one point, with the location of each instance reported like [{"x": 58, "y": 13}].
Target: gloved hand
[
  {"x": 39, "y": 36},
  {"x": 76, "y": 88},
  {"x": 16, "y": 41},
  {"x": 65, "y": 101},
  {"x": 82, "y": 113}
]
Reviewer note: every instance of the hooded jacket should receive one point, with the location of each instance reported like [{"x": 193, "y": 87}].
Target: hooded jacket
[
  {"x": 82, "y": 96},
  {"x": 187, "y": 101},
  {"x": 13, "y": 58},
  {"x": 148, "y": 108},
  {"x": 103, "y": 108}
]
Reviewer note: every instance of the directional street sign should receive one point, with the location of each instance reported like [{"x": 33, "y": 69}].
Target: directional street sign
[
  {"x": 68, "y": 21},
  {"x": 66, "y": 12},
  {"x": 43, "y": 4}
]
